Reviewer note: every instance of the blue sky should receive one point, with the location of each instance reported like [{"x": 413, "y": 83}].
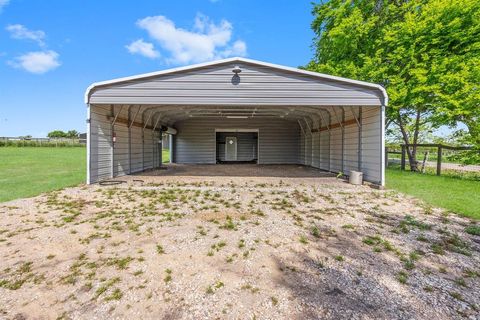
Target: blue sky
[{"x": 50, "y": 51}]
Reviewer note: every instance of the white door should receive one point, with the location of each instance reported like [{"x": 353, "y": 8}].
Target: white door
[{"x": 231, "y": 149}]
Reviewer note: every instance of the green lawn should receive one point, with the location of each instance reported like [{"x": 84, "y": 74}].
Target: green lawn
[
  {"x": 29, "y": 171},
  {"x": 461, "y": 196},
  {"x": 165, "y": 156}
]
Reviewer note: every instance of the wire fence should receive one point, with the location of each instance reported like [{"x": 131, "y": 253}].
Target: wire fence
[
  {"x": 437, "y": 159},
  {"x": 41, "y": 142}
]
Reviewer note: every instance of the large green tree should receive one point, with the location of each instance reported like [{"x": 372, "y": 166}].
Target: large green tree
[{"x": 424, "y": 52}]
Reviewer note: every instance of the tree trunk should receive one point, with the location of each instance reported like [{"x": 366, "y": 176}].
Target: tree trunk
[{"x": 411, "y": 151}]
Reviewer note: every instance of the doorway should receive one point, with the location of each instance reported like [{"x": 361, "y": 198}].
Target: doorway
[{"x": 237, "y": 146}]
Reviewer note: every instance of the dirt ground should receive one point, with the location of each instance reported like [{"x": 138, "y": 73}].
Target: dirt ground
[{"x": 288, "y": 243}]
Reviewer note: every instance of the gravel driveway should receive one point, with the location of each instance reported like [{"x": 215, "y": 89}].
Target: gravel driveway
[{"x": 173, "y": 245}]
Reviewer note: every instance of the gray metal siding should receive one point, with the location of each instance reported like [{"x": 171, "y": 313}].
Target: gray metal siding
[
  {"x": 259, "y": 85},
  {"x": 279, "y": 140},
  {"x": 371, "y": 144},
  {"x": 328, "y": 154},
  {"x": 129, "y": 155},
  {"x": 100, "y": 144}
]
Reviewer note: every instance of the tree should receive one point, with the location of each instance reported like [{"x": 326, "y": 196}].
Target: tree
[
  {"x": 72, "y": 134},
  {"x": 57, "y": 134},
  {"x": 424, "y": 52}
]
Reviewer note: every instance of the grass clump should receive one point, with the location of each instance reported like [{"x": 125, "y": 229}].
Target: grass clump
[
  {"x": 160, "y": 249},
  {"x": 168, "y": 275},
  {"x": 402, "y": 277},
  {"x": 473, "y": 230}
]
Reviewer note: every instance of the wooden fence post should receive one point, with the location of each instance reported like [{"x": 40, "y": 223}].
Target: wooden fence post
[
  {"x": 402, "y": 163},
  {"x": 439, "y": 160},
  {"x": 386, "y": 157}
]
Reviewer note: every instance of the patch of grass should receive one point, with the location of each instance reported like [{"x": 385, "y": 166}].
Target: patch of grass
[
  {"x": 463, "y": 197},
  {"x": 303, "y": 240},
  {"x": 212, "y": 288},
  {"x": 160, "y": 249},
  {"x": 27, "y": 172},
  {"x": 168, "y": 276},
  {"x": 402, "y": 277},
  {"x": 473, "y": 230},
  {"x": 115, "y": 295},
  {"x": 315, "y": 232},
  {"x": 339, "y": 258},
  {"x": 274, "y": 300},
  {"x": 104, "y": 287},
  {"x": 409, "y": 221},
  {"x": 120, "y": 263}
]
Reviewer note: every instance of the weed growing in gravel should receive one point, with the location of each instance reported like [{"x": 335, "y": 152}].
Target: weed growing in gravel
[
  {"x": 274, "y": 300},
  {"x": 315, "y": 232},
  {"x": 428, "y": 288},
  {"x": 115, "y": 295},
  {"x": 212, "y": 288},
  {"x": 461, "y": 282},
  {"x": 103, "y": 288},
  {"x": 473, "y": 230},
  {"x": 453, "y": 243},
  {"x": 250, "y": 288},
  {"x": 160, "y": 249},
  {"x": 339, "y": 258},
  {"x": 241, "y": 243},
  {"x": 168, "y": 276},
  {"x": 402, "y": 277},
  {"x": 120, "y": 263},
  {"x": 456, "y": 295},
  {"x": 19, "y": 277},
  {"x": 229, "y": 224},
  {"x": 409, "y": 221},
  {"x": 303, "y": 240}
]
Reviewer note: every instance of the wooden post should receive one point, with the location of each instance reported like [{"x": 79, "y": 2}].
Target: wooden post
[
  {"x": 386, "y": 157},
  {"x": 439, "y": 159},
  {"x": 402, "y": 163}
]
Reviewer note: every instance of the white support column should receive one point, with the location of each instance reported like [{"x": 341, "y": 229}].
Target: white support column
[
  {"x": 143, "y": 144},
  {"x": 129, "y": 141},
  {"x": 360, "y": 138},
  {"x": 155, "y": 144},
  {"x": 311, "y": 141},
  {"x": 343, "y": 141},
  {"x": 115, "y": 116},
  {"x": 112, "y": 144},
  {"x": 382, "y": 146},
  {"x": 89, "y": 143}
]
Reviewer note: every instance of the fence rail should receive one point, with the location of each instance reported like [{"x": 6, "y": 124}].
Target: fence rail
[{"x": 437, "y": 156}]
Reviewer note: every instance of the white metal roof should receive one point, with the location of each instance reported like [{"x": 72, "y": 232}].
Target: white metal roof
[{"x": 231, "y": 60}]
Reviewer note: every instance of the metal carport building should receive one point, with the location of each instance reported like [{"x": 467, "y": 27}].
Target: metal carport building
[{"x": 236, "y": 109}]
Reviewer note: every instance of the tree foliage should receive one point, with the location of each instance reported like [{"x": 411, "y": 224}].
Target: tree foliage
[
  {"x": 61, "y": 134},
  {"x": 426, "y": 53}
]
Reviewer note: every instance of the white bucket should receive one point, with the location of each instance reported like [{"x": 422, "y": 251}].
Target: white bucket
[{"x": 356, "y": 177}]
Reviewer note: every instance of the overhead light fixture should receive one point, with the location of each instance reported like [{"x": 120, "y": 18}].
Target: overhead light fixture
[
  {"x": 237, "y": 117},
  {"x": 236, "y": 70}
]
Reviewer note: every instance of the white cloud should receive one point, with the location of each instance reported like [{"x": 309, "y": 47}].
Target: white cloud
[
  {"x": 3, "y": 3},
  {"x": 18, "y": 31},
  {"x": 206, "y": 41},
  {"x": 37, "y": 61},
  {"x": 143, "y": 48}
]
